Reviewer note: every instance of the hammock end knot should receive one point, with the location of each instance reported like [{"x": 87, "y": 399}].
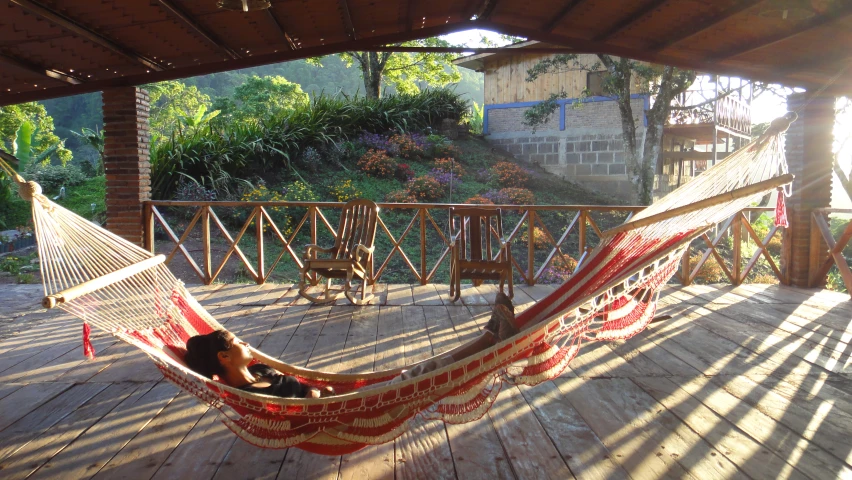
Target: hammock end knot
[{"x": 28, "y": 190}]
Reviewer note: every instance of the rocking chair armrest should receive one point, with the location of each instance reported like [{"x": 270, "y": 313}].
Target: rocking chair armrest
[
  {"x": 362, "y": 249},
  {"x": 315, "y": 247}
]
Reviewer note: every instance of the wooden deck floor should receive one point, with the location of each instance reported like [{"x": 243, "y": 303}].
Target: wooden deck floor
[{"x": 747, "y": 382}]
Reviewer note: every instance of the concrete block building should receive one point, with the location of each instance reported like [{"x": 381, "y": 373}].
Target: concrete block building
[{"x": 582, "y": 140}]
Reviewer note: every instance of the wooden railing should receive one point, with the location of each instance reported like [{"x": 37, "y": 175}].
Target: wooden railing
[
  {"x": 822, "y": 238},
  {"x": 411, "y": 238},
  {"x": 733, "y": 114}
]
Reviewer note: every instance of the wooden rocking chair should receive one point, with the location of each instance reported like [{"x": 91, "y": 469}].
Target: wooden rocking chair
[
  {"x": 471, "y": 255},
  {"x": 350, "y": 257}
]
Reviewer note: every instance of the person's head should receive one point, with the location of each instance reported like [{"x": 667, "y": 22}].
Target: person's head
[{"x": 216, "y": 353}]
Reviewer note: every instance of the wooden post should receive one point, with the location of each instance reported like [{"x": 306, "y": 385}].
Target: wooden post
[
  {"x": 685, "y": 270},
  {"x": 205, "y": 241},
  {"x": 148, "y": 228},
  {"x": 258, "y": 224},
  {"x": 809, "y": 156},
  {"x": 582, "y": 231},
  {"x": 423, "y": 273},
  {"x": 737, "y": 234},
  {"x": 531, "y": 248},
  {"x": 312, "y": 211}
]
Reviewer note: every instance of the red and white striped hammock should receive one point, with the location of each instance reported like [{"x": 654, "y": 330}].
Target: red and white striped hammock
[{"x": 128, "y": 292}]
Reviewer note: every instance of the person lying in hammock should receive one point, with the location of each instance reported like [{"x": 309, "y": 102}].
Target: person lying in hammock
[{"x": 220, "y": 355}]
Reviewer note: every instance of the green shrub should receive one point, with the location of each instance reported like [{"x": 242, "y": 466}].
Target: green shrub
[
  {"x": 425, "y": 188},
  {"x": 80, "y": 199},
  {"x": 15, "y": 212},
  {"x": 53, "y": 177}
]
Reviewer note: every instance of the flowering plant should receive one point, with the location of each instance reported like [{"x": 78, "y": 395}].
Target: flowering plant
[
  {"x": 508, "y": 174},
  {"x": 344, "y": 191},
  {"x": 447, "y": 165},
  {"x": 425, "y": 188},
  {"x": 518, "y": 196},
  {"x": 444, "y": 178},
  {"x": 404, "y": 172},
  {"x": 409, "y": 145},
  {"x": 377, "y": 163},
  {"x": 400, "y": 196},
  {"x": 378, "y": 142},
  {"x": 478, "y": 200},
  {"x": 559, "y": 270}
]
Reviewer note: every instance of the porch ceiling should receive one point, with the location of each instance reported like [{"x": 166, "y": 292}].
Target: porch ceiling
[{"x": 51, "y": 48}]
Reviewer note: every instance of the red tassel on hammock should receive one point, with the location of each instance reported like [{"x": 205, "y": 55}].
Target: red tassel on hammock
[
  {"x": 781, "y": 211},
  {"x": 88, "y": 348}
]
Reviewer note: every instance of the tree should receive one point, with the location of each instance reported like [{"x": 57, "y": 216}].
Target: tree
[
  {"x": 262, "y": 97},
  {"x": 39, "y": 135},
  {"x": 662, "y": 83},
  {"x": 171, "y": 101},
  {"x": 404, "y": 71},
  {"x": 95, "y": 139}
]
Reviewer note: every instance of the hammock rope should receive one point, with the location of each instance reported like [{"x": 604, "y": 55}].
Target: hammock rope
[{"x": 129, "y": 292}]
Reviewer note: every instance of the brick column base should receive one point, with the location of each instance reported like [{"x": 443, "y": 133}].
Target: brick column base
[
  {"x": 808, "y": 150},
  {"x": 126, "y": 160}
]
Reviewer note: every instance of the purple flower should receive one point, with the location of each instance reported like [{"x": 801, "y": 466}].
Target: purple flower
[
  {"x": 444, "y": 178},
  {"x": 498, "y": 197},
  {"x": 378, "y": 142}
]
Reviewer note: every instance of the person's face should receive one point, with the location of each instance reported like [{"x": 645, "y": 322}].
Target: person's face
[{"x": 237, "y": 356}]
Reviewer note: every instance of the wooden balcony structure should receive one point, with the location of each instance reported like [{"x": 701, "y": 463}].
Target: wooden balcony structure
[{"x": 742, "y": 382}]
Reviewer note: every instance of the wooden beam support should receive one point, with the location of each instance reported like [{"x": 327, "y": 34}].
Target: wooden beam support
[
  {"x": 347, "y": 19},
  {"x": 191, "y": 23},
  {"x": 38, "y": 70},
  {"x": 582, "y": 44},
  {"x": 407, "y": 15},
  {"x": 487, "y": 9},
  {"x": 630, "y": 20},
  {"x": 79, "y": 30},
  {"x": 803, "y": 27},
  {"x": 287, "y": 39},
  {"x": 701, "y": 27},
  {"x": 245, "y": 62},
  {"x": 561, "y": 15}
]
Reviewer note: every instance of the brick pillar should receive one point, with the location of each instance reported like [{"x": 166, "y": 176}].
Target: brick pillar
[
  {"x": 808, "y": 150},
  {"x": 126, "y": 160}
]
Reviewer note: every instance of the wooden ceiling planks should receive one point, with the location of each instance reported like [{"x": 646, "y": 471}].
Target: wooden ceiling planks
[{"x": 122, "y": 42}]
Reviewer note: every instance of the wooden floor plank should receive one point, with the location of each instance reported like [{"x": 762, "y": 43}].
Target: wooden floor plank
[
  {"x": 399, "y": 294},
  {"x": 808, "y": 458},
  {"x": 749, "y": 455},
  {"x": 24, "y": 400},
  {"x": 531, "y": 452},
  {"x": 580, "y": 448},
  {"x": 471, "y": 296},
  {"x": 424, "y": 452},
  {"x": 417, "y": 344},
  {"x": 150, "y": 448},
  {"x": 199, "y": 454},
  {"x": 40, "y": 450},
  {"x": 647, "y": 449},
  {"x": 426, "y": 295},
  {"x": 94, "y": 448},
  {"x": 390, "y": 346},
  {"x": 36, "y": 422}
]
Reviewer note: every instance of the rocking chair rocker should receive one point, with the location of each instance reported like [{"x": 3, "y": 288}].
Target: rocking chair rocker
[
  {"x": 350, "y": 257},
  {"x": 477, "y": 261}
]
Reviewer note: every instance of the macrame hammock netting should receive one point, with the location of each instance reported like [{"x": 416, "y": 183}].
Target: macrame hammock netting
[{"x": 127, "y": 291}]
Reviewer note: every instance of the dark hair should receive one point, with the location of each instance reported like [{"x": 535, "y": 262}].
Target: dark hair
[{"x": 202, "y": 352}]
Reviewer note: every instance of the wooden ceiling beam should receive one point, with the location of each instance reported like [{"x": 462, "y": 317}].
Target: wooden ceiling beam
[
  {"x": 561, "y": 15},
  {"x": 38, "y": 70},
  {"x": 407, "y": 15},
  {"x": 803, "y": 27},
  {"x": 245, "y": 62},
  {"x": 347, "y": 19},
  {"x": 631, "y": 20},
  {"x": 701, "y": 27},
  {"x": 77, "y": 29},
  {"x": 486, "y": 10},
  {"x": 287, "y": 39},
  {"x": 586, "y": 45},
  {"x": 192, "y": 24}
]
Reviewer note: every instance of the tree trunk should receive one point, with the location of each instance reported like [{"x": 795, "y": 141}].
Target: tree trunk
[{"x": 371, "y": 72}]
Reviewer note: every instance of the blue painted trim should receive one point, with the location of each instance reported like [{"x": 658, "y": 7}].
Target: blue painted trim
[{"x": 562, "y": 110}]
